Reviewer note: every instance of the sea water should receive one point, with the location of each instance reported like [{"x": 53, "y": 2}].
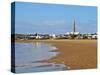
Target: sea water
[{"x": 28, "y": 57}]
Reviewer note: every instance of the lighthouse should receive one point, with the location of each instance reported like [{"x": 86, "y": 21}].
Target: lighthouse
[
  {"x": 73, "y": 30},
  {"x": 73, "y": 34},
  {"x": 73, "y": 27}
]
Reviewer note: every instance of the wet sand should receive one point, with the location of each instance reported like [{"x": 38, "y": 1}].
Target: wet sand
[{"x": 77, "y": 54}]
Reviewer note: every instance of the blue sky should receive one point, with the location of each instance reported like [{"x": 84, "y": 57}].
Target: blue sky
[{"x": 54, "y": 18}]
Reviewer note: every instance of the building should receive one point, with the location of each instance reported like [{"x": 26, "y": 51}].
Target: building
[
  {"x": 73, "y": 34},
  {"x": 52, "y": 36}
]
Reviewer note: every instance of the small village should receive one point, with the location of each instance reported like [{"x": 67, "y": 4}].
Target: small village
[{"x": 67, "y": 35}]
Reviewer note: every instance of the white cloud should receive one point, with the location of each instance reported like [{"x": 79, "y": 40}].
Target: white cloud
[{"x": 50, "y": 23}]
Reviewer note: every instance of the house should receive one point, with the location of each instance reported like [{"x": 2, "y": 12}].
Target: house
[
  {"x": 94, "y": 36},
  {"x": 53, "y": 36}
]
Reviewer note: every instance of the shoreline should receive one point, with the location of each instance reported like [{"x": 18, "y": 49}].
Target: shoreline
[
  {"x": 55, "y": 40},
  {"x": 77, "y": 54}
]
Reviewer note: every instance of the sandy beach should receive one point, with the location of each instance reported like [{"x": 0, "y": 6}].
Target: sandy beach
[{"x": 77, "y": 54}]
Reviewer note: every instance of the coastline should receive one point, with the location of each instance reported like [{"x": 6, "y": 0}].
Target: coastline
[{"x": 77, "y": 54}]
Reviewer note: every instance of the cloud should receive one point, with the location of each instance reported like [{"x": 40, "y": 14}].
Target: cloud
[
  {"x": 49, "y": 23},
  {"x": 54, "y": 22}
]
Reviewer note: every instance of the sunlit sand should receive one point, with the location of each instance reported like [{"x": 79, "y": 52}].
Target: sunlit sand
[{"x": 77, "y": 54}]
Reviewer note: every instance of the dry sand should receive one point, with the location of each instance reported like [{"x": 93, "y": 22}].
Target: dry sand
[{"x": 77, "y": 54}]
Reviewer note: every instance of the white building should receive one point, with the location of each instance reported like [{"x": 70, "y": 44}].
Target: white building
[
  {"x": 94, "y": 36},
  {"x": 53, "y": 36},
  {"x": 71, "y": 33},
  {"x": 38, "y": 37}
]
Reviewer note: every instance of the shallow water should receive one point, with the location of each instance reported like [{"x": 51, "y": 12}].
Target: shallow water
[{"x": 27, "y": 55}]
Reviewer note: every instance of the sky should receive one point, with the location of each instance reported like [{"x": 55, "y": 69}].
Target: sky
[{"x": 54, "y": 18}]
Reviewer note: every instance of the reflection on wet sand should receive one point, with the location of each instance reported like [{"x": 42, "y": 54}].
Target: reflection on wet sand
[{"x": 34, "y": 56}]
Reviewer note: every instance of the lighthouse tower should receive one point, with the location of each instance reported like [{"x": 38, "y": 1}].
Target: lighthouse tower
[
  {"x": 73, "y": 30},
  {"x": 73, "y": 27}
]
